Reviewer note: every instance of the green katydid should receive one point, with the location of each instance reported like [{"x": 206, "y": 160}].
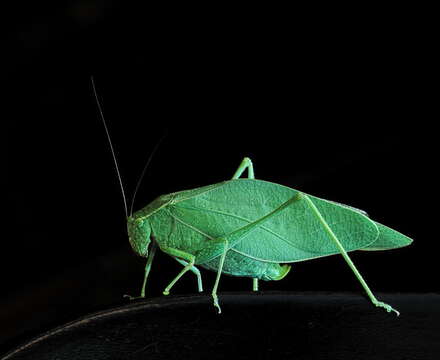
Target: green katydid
[{"x": 251, "y": 228}]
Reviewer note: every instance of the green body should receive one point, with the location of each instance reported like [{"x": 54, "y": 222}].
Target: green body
[{"x": 253, "y": 228}]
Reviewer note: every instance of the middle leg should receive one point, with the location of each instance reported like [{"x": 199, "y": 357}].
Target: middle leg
[
  {"x": 193, "y": 270},
  {"x": 182, "y": 255}
]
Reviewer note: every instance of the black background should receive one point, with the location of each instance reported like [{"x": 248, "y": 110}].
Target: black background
[{"x": 337, "y": 109}]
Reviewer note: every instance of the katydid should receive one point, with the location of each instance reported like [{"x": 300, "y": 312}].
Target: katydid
[{"x": 252, "y": 228}]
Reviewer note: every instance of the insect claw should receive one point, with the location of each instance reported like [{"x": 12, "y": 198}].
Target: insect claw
[
  {"x": 397, "y": 313},
  {"x": 387, "y": 307},
  {"x": 216, "y": 303}
]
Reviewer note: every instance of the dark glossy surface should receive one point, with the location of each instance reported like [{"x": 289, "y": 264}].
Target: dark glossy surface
[{"x": 257, "y": 326}]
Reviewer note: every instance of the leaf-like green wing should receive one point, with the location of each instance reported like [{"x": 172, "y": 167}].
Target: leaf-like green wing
[
  {"x": 388, "y": 239},
  {"x": 295, "y": 234}
]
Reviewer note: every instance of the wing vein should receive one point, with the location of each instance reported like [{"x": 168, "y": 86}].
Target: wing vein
[
  {"x": 246, "y": 220},
  {"x": 188, "y": 225}
]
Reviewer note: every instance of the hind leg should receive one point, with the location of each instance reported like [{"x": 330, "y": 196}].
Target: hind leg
[
  {"x": 245, "y": 164},
  {"x": 344, "y": 254}
]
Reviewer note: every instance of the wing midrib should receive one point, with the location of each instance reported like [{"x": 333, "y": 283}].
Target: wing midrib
[{"x": 248, "y": 221}]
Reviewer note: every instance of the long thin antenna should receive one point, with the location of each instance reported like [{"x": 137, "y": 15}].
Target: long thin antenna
[
  {"x": 144, "y": 170},
  {"x": 111, "y": 146}
]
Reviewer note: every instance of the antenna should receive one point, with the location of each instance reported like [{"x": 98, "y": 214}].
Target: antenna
[
  {"x": 145, "y": 169},
  {"x": 111, "y": 146}
]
